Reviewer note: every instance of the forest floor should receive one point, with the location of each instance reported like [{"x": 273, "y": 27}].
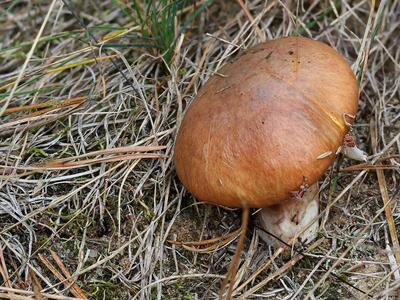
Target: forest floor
[{"x": 91, "y": 94}]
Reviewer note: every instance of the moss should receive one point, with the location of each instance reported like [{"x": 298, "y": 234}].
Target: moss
[
  {"x": 177, "y": 290},
  {"x": 37, "y": 152},
  {"x": 101, "y": 289}
]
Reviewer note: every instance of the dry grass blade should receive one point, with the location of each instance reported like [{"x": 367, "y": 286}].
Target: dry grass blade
[
  {"x": 37, "y": 288},
  {"x": 14, "y": 297},
  {"x": 25, "y": 295},
  {"x": 118, "y": 150},
  {"x": 281, "y": 270},
  {"x": 346, "y": 251},
  {"x": 51, "y": 268},
  {"x": 49, "y": 104},
  {"x": 38, "y": 124},
  {"x": 73, "y": 103},
  {"x": 383, "y": 279},
  {"x": 29, "y": 56},
  {"x": 260, "y": 34},
  {"x": 3, "y": 269},
  {"x": 367, "y": 166},
  {"x": 211, "y": 248},
  {"x": 385, "y": 197},
  {"x": 67, "y": 280},
  {"x": 58, "y": 201},
  {"x": 79, "y": 64},
  {"x": 110, "y": 214},
  {"x": 348, "y": 187},
  {"x": 74, "y": 286},
  {"x": 207, "y": 242},
  {"x": 86, "y": 162},
  {"x": 264, "y": 267},
  {"x": 363, "y": 55}
]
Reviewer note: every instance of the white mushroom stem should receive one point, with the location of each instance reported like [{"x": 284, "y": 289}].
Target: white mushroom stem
[
  {"x": 353, "y": 153},
  {"x": 286, "y": 220}
]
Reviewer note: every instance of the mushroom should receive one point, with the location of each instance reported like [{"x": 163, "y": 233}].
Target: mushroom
[{"x": 263, "y": 133}]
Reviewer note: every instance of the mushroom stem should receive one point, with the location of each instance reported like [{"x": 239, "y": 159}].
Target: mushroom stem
[{"x": 286, "y": 220}]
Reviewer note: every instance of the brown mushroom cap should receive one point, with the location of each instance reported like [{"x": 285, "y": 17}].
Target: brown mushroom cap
[{"x": 251, "y": 135}]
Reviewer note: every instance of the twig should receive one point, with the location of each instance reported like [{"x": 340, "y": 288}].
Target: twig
[
  {"x": 206, "y": 242},
  {"x": 36, "y": 285},
  {"x": 66, "y": 281},
  {"x": 67, "y": 274},
  {"x": 366, "y": 166},
  {"x": 219, "y": 242},
  {"x": 3, "y": 269}
]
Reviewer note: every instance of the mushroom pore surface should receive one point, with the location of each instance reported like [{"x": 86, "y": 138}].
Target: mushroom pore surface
[{"x": 255, "y": 132}]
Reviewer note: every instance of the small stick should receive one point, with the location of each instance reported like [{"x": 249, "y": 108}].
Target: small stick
[
  {"x": 366, "y": 166},
  {"x": 56, "y": 273},
  {"x": 3, "y": 269},
  {"x": 49, "y": 266},
  {"x": 67, "y": 274},
  {"x": 212, "y": 247},
  {"x": 205, "y": 242},
  {"x": 36, "y": 285}
]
